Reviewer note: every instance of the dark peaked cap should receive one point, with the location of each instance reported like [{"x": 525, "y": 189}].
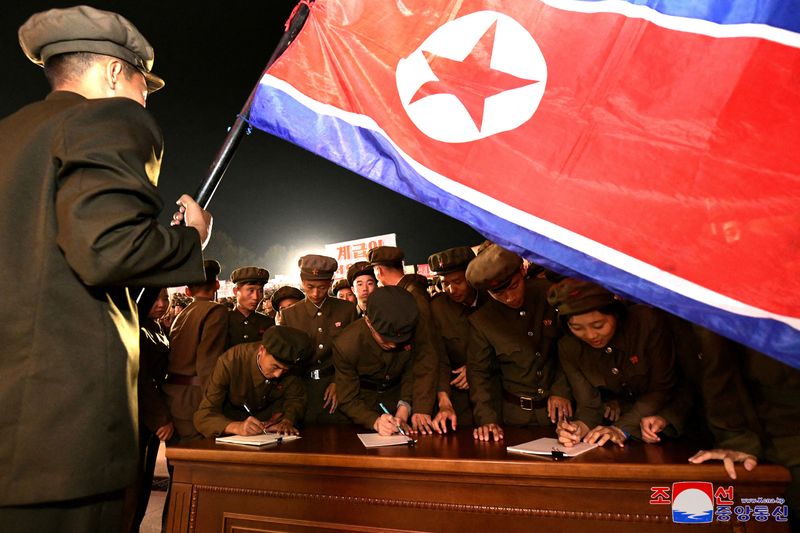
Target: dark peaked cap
[
  {"x": 362, "y": 268},
  {"x": 86, "y": 29},
  {"x": 384, "y": 255},
  {"x": 317, "y": 267},
  {"x": 393, "y": 313},
  {"x": 574, "y": 297},
  {"x": 451, "y": 260},
  {"x": 250, "y": 274},
  {"x": 492, "y": 268},
  {"x": 288, "y": 345}
]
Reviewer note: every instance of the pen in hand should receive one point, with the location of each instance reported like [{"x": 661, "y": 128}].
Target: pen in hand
[
  {"x": 249, "y": 412},
  {"x": 385, "y": 410}
]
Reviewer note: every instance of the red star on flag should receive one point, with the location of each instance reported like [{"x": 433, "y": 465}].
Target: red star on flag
[{"x": 472, "y": 80}]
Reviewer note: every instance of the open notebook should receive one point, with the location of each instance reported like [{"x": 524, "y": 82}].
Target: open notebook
[
  {"x": 374, "y": 440},
  {"x": 256, "y": 440},
  {"x": 546, "y": 446}
]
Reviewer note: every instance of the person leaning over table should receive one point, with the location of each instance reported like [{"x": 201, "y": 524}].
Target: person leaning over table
[
  {"x": 515, "y": 330},
  {"x": 451, "y": 309},
  {"x": 387, "y": 262},
  {"x": 623, "y": 352},
  {"x": 377, "y": 361},
  {"x": 752, "y": 405},
  {"x": 251, "y": 383}
]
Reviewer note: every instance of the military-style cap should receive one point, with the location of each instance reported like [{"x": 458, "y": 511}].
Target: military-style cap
[
  {"x": 393, "y": 313},
  {"x": 362, "y": 268},
  {"x": 288, "y": 345},
  {"x": 212, "y": 269},
  {"x": 339, "y": 285},
  {"x": 285, "y": 292},
  {"x": 250, "y": 274},
  {"x": 384, "y": 255},
  {"x": 493, "y": 268},
  {"x": 317, "y": 267},
  {"x": 451, "y": 260},
  {"x": 572, "y": 296},
  {"x": 86, "y": 29}
]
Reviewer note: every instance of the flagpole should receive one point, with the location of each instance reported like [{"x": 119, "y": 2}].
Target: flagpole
[{"x": 225, "y": 155}]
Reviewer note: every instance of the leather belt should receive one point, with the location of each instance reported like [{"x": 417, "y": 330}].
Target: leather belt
[
  {"x": 320, "y": 373},
  {"x": 381, "y": 386},
  {"x": 180, "y": 379},
  {"x": 526, "y": 403}
]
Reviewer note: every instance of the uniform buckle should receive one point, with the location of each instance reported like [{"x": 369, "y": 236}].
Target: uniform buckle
[
  {"x": 526, "y": 403},
  {"x": 315, "y": 374}
]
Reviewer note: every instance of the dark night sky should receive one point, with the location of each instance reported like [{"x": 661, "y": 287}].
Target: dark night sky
[{"x": 276, "y": 200}]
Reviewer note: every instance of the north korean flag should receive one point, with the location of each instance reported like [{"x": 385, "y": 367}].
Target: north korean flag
[{"x": 651, "y": 146}]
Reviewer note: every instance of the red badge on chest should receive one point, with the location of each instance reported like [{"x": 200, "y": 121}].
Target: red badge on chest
[{"x": 634, "y": 359}]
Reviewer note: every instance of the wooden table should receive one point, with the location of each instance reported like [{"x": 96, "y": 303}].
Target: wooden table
[{"x": 328, "y": 481}]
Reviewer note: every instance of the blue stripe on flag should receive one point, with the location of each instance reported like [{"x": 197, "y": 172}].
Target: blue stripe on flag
[
  {"x": 369, "y": 154},
  {"x": 783, "y": 14}
]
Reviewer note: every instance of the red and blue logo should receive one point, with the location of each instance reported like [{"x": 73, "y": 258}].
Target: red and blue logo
[{"x": 692, "y": 502}]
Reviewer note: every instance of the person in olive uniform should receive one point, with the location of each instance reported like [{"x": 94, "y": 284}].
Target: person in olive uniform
[
  {"x": 611, "y": 350},
  {"x": 515, "y": 330},
  {"x": 323, "y": 318},
  {"x": 244, "y": 323},
  {"x": 197, "y": 339},
  {"x": 361, "y": 278},
  {"x": 284, "y": 297},
  {"x": 251, "y": 389},
  {"x": 450, "y": 310},
  {"x": 80, "y": 215},
  {"x": 387, "y": 262},
  {"x": 377, "y": 362},
  {"x": 752, "y": 403},
  {"x": 341, "y": 289},
  {"x": 155, "y": 423}
]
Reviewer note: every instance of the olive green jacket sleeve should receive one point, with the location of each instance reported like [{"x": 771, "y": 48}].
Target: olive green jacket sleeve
[
  {"x": 107, "y": 204},
  {"x": 209, "y": 418},
  {"x": 479, "y": 369},
  {"x": 661, "y": 380},
  {"x": 213, "y": 340},
  {"x": 428, "y": 351},
  {"x": 348, "y": 386},
  {"x": 588, "y": 401}
]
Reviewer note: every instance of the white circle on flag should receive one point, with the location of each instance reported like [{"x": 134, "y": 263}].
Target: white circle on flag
[{"x": 442, "y": 115}]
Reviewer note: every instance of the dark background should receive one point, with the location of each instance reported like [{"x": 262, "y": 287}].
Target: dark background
[{"x": 276, "y": 201}]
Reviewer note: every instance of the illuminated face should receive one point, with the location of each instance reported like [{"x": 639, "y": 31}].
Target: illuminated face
[
  {"x": 248, "y": 295},
  {"x": 456, "y": 286},
  {"x": 346, "y": 293},
  {"x": 316, "y": 290},
  {"x": 594, "y": 328},
  {"x": 514, "y": 294},
  {"x": 385, "y": 345},
  {"x": 363, "y": 287},
  {"x": 270, "y": 367},
  {"x": 160, "y": 306}
]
